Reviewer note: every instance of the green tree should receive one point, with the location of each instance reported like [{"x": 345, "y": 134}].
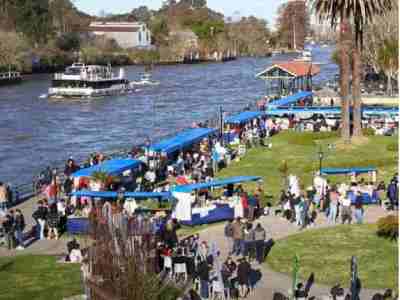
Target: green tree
[
  {"x": 160, "y": 30},
  {"x": 359, "y": 13},
  {"x": 142, "y": 14},
  {"x": 68, "y": 41},
  {"x": 388, "y": 60},
  {"x": 34, "y": 20},
  {"x": 12, "y": 50}
]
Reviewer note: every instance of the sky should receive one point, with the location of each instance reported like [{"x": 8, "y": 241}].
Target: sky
[{"x": 265, "y": 9}]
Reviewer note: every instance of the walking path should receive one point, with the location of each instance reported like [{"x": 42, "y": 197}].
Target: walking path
[
  {"x": 279, "y": 229},
  {"x": 270, "y": 282}
]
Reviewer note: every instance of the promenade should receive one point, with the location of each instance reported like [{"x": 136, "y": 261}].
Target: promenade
[{"x": 271, "y": 281}]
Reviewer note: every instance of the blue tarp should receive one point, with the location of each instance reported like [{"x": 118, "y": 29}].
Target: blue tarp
[
  {"x": 380, "y": 111},
  {"x": 111, "y": 167},
  {"x": 290, "y": 99},
  {"x": 182, "y": 140},
  {"x": 215, "y": 183},
  {"x": 366, "y": 198},
  {"x": 243, "y": 117},
  {"x": 339, "y": 171},
  {"x": 108, "y": 194},
  {"x": 221, "y": 213},
  {"x": 302, "y": 110},
  {"x": 330, "y": 110}
]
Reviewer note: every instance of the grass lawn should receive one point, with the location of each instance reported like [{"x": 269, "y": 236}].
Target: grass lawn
[
  {"x": 327, "y": 253},
  {"x": 35, "y": 277},
  {"x": 300, "y": 151}
]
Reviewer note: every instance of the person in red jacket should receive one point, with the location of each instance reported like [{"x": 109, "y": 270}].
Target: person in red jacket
[{"x": 245, "y": 203}]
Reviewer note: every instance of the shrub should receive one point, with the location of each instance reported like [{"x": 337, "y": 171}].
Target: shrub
[
  {"x": 388, "y": 227},
  {"x": 68, "y": 41},
  {"x": 308, "y": 138},
  {"x": 368, "y": 132},
  {"x": 394, "y": 147}
]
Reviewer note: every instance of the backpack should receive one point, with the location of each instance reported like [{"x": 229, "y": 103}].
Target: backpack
[{"x": 228, "y": 230}]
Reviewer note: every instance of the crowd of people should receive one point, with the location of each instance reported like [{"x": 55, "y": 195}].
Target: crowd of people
[
  {"x": 338, "y": 202},
  {"x": 212, "y": 276},
  {"x": 192, "y": 258}
]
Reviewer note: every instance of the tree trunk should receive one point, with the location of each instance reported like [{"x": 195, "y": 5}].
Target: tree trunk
[
  {"x": 344, "y": 65},
  {"x": 356, "y": 91}
]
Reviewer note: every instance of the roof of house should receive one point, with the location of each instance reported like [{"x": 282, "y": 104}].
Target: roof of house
[
  {"x": 115, "y": 26},
  {"x": 294, "y": 68}
]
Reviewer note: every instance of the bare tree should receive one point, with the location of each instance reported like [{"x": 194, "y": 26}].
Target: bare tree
[{"x": 122, "y": 258}]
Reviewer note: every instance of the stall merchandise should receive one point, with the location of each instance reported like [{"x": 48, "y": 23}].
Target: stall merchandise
[{"x": 216, "y": 211}]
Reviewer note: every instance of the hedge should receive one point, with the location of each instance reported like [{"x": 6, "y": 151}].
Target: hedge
[{"x": 388, "y": 227}]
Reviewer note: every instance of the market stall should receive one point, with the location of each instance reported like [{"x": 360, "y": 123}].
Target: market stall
[
  {"x": 368, "y": 197},
  {"x": 77, "y": 224},
  {"x": 111, "y": 167},
  {"x": 237, "y": 122},
  {"x": 189, "y": 211},
  {"x": 182, "y": 140}
]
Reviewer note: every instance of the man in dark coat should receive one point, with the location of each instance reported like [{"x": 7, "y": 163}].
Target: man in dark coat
[
  {"x": 9, "y": 227},
  {"x": 243, "y": 275},
  {"x": 393, "y": 194},
  {"x": 19, "y": 228},
  {"x": 203, "y": 274}
]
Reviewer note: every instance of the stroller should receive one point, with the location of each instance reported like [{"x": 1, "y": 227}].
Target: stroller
[{"x": 3, "y": 240}]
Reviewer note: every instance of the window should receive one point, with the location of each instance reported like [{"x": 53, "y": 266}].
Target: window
[{"x": 140, "y": 36}]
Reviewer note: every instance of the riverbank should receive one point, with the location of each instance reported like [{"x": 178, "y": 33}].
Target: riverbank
[{"x": 258, "y": 160}]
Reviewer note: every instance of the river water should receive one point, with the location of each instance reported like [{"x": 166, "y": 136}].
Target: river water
[{"x": 35, "y": 133}]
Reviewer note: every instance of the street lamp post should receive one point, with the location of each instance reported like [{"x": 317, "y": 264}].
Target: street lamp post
[
  {"x": 321, "y": 157},
  {"x": 221, "y": 124}
]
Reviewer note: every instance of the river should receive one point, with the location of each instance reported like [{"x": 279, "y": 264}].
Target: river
[{"x": 35, "y": 133}]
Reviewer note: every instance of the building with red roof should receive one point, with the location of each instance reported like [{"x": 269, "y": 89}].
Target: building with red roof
[{"x": 289, "y": 77}]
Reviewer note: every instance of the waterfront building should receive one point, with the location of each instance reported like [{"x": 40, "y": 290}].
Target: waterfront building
[
  {"x": 126, "y": 34},
  {"x": 284, "y": 78}
]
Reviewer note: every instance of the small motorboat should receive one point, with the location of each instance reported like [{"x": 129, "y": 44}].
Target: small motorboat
[
  {"x": 306, "y": 55},
  {"x": 145, "y": 79}
]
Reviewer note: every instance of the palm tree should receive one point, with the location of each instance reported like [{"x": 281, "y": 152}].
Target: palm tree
[
  {"x": 344, "y": 63},
  {"x": 360, "y": 13}
]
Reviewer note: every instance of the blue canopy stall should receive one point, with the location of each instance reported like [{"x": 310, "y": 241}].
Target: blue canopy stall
[
  {"x": 303, "y": 110},
  {"x": 341, "y": 171},
  {"x": 367, "y": 198},
  {"x": 373, "y": 111},
  {"x": 204, "y": 215},
  {"x": 292, "y": 99},
  {"x": 328, "y": 110},
  {"x": 182, "y": 140},
  {"x": 80, "y": 225},
  {"x": 243, "y": 117},
  {"x": 111, "y": 167},
  {"x": 240, "y": 119},
  {"x": 109, "y": 194}
]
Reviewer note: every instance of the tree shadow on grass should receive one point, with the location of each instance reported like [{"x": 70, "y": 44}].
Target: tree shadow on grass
[{"x": 6, "y": 266}]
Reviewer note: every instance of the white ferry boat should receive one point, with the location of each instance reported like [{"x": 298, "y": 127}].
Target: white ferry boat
[
  {"x": 306, "y": 55},
  {"x": 87, "y": 81}
]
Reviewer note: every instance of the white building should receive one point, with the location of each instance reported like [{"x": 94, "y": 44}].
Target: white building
[{"x": 126, "y": 34}]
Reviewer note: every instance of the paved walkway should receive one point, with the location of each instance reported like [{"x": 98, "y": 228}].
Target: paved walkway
[
  {"x": 279, "y": 228},
  {"x": 271, "y": 281}
]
